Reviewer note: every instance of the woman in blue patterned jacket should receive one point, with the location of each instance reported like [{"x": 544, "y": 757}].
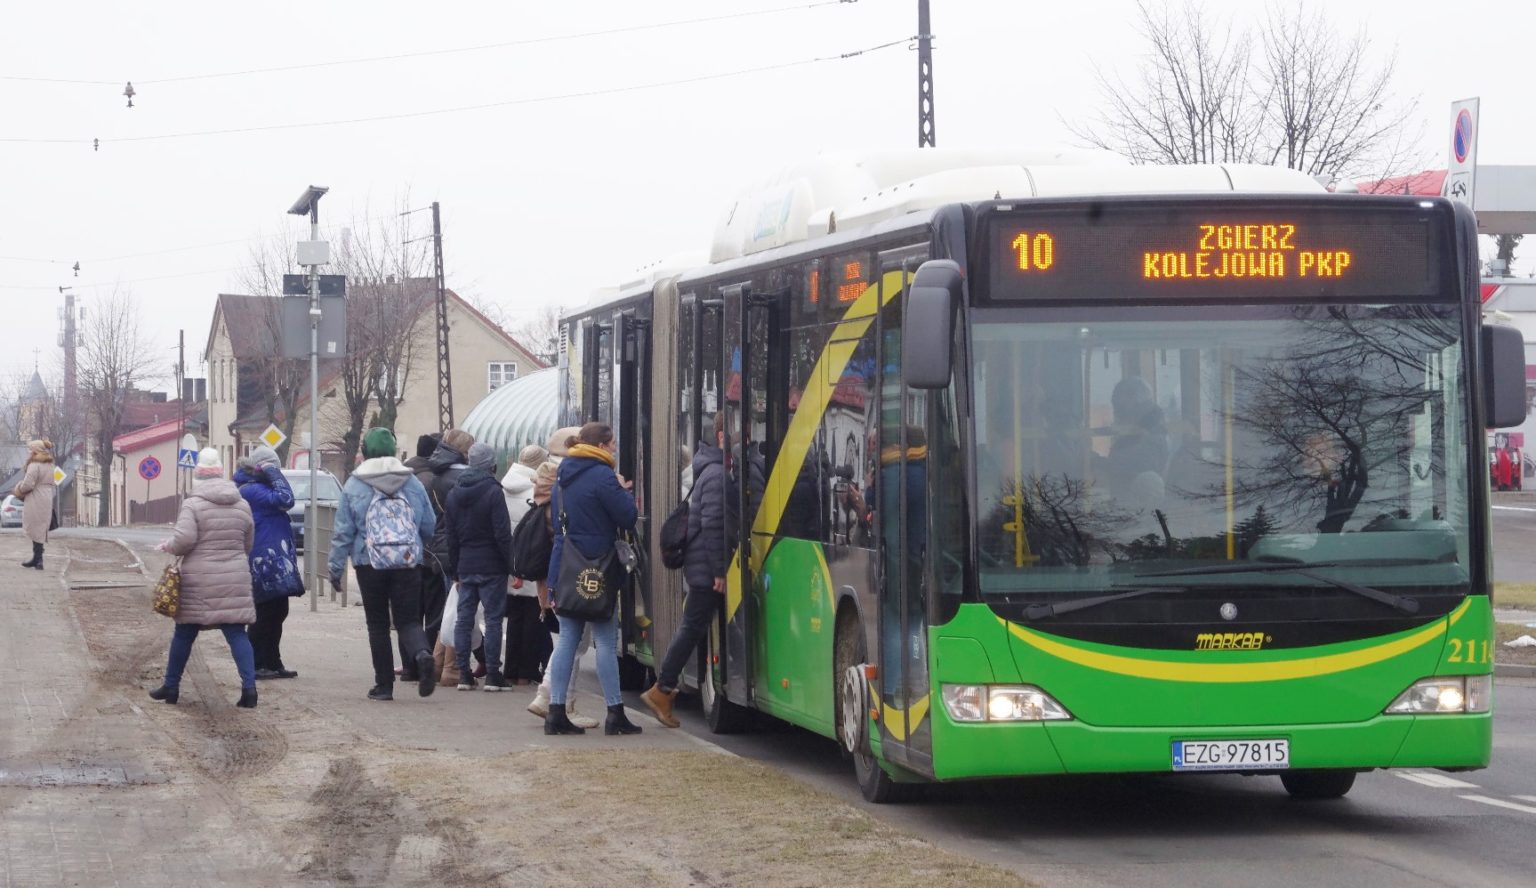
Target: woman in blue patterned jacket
[{"x": 274, "y": 565}]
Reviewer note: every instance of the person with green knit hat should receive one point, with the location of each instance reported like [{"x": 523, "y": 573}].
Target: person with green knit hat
[
  {"x": 377, "y": 443},
  {"x": 381, "y": 520}
]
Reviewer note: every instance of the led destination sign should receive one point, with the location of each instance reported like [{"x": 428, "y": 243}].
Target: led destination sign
[
  {"x": 1201, "y": 252},
  {"x": 1256, "y": 249}
]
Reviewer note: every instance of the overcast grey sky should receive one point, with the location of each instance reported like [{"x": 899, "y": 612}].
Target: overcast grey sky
[{"x": 547, "y": 201}]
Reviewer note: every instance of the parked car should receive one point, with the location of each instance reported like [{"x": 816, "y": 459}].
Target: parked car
[
  {"x": 327, "y": 493},
  {"x": 10, "y": 512}
]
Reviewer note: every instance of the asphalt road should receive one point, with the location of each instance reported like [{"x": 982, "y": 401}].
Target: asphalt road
[
  {"x": 1514, "y": 537},
  {"x": 1394, "y": 830}
]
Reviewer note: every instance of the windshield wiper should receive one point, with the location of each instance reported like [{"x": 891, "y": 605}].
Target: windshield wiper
[
  {"x": 1399, "y": 602},
  {"x": 1040, "y": 611}
]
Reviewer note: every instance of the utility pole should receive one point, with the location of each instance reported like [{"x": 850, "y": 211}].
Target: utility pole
[
  {"x": 444, "y": 370},
  {"x": 925, "y": 137}
]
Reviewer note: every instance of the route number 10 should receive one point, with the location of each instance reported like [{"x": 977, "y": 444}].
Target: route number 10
[{"x": 1036, "y": 252}]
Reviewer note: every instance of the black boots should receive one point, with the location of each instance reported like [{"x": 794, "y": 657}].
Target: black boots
[
  {"x": 37, "y": 557},
  {"x": 618, "y": 722},
  {"x": 247, "y": 698},
  {"x": 165, "y": 694},
  {"x": 557, "y": 722}
]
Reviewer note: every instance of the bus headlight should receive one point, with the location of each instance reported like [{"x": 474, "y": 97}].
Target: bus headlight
[
  {"x": 1444, "y": 694},
  {"x": 999, "y": 703}
]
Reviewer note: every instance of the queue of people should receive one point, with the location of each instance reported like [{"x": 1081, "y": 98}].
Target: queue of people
[{"x": 412, "y": 531}]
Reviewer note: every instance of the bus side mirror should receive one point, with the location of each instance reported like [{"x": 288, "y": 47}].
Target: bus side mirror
[
  {"x": 1504, "y": 401},
  {"x": 936, "y": 291}
]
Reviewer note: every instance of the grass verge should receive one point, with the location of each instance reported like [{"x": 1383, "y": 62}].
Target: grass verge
[{"x": 1517, "y": 595}]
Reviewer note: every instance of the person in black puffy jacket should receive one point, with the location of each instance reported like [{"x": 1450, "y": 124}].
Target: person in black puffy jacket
[
  {"x": 446, "y": 459},
  {"x": 480, "y": 549},
  {"x": 704, "y": 562}
]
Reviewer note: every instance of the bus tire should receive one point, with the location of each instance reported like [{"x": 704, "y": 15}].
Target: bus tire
[
  {"x": 1317, "y": 784},
  {"x": 723, "y": 716},
  {"x": 875, "y": 784},
  {"x": 633, "y": 674}
]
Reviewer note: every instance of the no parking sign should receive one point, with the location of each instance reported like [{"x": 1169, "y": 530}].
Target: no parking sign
[{"x": 1461, "y": 174}]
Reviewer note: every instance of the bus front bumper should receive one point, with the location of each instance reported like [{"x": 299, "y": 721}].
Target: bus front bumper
[{"x": 968, "y": 750}]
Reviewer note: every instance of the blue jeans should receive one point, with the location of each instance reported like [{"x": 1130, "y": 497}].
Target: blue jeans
[
  {"x": 605, "y": 635},
  {"x": 489, "y": 591},
  {"x": 239, "y": 645}
]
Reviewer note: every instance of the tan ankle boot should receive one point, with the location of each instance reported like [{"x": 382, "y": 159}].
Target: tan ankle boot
[{"x": 660, "y": 703}]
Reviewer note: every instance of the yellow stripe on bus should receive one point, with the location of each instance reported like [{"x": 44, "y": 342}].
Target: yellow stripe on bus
[
  {"x": 808, "y": 415},
  {"x": 1225, "y": 673}
]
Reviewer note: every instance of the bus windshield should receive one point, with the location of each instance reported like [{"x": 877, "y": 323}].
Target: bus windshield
[{"x": 1115, "y": 443}]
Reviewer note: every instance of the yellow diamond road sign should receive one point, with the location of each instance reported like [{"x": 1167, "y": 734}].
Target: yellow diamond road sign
[
  {"x": 273, "y": 437},
  {"x": 58, "y": 475}
]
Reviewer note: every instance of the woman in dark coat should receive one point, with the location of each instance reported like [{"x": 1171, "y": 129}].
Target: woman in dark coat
[
  {"x": 274, "y": 564},
  {"x": 596, "y": 504}
]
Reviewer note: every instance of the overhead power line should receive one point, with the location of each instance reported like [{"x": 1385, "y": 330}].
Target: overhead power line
[
  {"x": 426, "y": 53},
  {"x": 532, "y": 100}
]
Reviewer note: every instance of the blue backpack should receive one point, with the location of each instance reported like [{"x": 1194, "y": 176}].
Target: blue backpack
[{"x": 389, "y": 531}]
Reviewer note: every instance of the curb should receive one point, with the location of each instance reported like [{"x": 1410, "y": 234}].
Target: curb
[{"x": 1513, "y": 670}]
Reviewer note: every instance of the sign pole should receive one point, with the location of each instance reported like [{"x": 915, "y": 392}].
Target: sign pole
[
  {"x": 312, "y": 254},
  {"x": 314, "y": 414}
]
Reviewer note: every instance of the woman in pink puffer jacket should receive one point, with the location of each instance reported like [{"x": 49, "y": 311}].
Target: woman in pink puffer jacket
[{"x": 213, "y": 536}]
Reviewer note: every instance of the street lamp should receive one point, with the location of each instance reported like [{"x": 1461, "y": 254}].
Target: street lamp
[{"x": 312, "y": 254}]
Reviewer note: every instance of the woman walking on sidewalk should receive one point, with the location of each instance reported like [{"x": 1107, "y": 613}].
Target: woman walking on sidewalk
[
  {"x": 591, "y": 505},
  {"x": 36, "y": 491},
  {"x": 274, "y": 564},
  {"x": 213, "y": 533}
]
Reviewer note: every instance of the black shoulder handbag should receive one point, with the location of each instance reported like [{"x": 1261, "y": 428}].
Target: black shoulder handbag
[{"x": 587, "y": 588}]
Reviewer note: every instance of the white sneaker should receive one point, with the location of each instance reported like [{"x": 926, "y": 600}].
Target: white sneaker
[
  {"x": 580, "y": 721},
  {"x": 540, "y": 704}
]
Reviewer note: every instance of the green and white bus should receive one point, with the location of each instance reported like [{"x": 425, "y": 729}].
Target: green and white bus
[{"x": 1066, "y": 470}]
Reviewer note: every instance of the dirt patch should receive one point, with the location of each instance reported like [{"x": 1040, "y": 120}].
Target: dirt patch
[
  {"x": 1523, "y": 656},
  {"x": 670, "y": 817}
]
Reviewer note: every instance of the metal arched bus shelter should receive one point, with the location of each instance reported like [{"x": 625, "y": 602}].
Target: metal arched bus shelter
[{"x": 522, "y": 412}]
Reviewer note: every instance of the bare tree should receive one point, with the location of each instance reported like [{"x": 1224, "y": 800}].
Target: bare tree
[
  {"x": 386, "y": 299},
  {"x": 1328, "y": 110},
  {"x": 114, "y": 358},
  {"x": 1299, "y": 95},
  {"x": 540, "y": 334}
]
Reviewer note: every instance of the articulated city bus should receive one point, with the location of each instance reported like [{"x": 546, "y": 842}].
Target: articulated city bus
[{"x": 1112, "y": 470}]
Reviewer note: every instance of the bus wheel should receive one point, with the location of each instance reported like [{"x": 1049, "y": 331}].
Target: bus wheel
[
  {"x": 633, "y": 674},
  {"x": 1318, "y": 784},
  {"x": 723, "y": 716},
  {"x": 853, "y": 705}
]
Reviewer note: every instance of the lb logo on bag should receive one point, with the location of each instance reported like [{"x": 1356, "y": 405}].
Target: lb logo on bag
[{"x": 591, "y": 583}]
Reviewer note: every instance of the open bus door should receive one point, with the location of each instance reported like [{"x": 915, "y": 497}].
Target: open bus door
[{"x": 632, "y": 375}]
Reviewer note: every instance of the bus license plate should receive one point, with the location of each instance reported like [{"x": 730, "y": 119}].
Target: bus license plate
[{"x": 1230, "y": 755}]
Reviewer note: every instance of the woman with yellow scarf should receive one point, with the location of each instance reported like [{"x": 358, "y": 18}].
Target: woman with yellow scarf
[{"x": 591, "y": 504}]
